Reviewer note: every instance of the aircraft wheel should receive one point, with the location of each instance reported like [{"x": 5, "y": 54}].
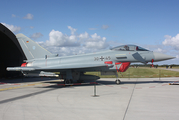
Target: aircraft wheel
[
  {"x": 68, "y": 81},
  {"x": 71, "y": 81},
  {"x": 118, "y": 81}
]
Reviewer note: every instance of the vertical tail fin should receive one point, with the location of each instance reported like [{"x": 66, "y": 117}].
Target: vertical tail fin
[{"x": 31, "y": 49}]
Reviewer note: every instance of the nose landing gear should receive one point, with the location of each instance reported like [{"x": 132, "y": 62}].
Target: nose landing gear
[{"x": 118, "y": 81}]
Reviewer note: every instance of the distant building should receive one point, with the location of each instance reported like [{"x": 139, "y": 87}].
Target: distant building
[{"x": 11, "y": 53}]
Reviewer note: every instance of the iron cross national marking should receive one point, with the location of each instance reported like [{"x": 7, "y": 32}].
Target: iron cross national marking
[{"x": 102, "y": 58}]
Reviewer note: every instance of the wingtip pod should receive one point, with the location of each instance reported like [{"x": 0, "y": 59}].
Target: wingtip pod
[
  {"x": 19, "y": 69},
  {"x": 161, "y": 57}
]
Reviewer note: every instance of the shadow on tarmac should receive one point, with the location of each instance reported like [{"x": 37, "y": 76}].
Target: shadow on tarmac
[
  {"x": 101, "y": 81},
  {"x": 25, "y": 96},
  {"x": 54, "y": 87},
  {"x": 27, "y": 79}
]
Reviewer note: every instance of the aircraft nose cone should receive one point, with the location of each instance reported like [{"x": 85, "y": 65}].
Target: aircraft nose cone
[{"x": 160, "y": 57}]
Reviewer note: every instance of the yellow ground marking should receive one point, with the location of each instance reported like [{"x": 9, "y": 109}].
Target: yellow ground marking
[{"x": 27, "y": 85}]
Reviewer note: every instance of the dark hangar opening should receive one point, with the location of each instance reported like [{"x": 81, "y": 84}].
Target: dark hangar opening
[{"x": 10, "y": 52}]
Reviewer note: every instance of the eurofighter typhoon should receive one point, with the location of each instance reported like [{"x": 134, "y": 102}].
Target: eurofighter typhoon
[{"x": 41, "y": 62}]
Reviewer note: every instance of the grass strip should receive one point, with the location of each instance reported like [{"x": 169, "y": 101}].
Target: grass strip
[{"x": 139, "y": 73}]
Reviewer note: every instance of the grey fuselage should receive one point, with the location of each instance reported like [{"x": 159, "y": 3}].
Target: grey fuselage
[
  {"x": 91, "y": 59},
  {"x": 41, "y": 62}
]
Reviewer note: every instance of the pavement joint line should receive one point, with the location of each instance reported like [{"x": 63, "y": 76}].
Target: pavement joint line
[{"x": 129, "y": 101}]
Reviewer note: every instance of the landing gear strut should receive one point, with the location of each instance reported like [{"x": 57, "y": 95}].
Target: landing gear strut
[
  {"x": 69, "y": 77},
  {"x": 117, "y": 80}
]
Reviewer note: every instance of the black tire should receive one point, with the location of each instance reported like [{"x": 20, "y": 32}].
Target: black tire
[
  {"x": 66, "y": 81},
  {"x": 118, "y": 81}
]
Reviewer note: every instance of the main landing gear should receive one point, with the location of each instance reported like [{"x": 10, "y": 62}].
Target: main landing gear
[
  {"x": 68, "y": 81},
  {"x": 69, "y": 77}
]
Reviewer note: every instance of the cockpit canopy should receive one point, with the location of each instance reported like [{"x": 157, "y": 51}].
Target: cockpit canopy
[{"x": 129, "y": 48}]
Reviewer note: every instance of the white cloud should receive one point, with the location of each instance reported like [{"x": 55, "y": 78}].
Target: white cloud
[
  {"x": 63, "y": 44},
  {"x": 160, "y": 50},
  {"x": 31, "y": 27},
  {"x": 96, "y": 42},
  {"x": 84, "y": 36},
  {"x": 36, "y": 35},
  {"x": 171, "y": 41},
  {"x": 57, "y": 38},
  {"x": 72, "y": 30},
  {"x": 105, "y": 27},
  {"x": 29, "y": 16},
  {"x": 92, "y": 28},
  {"x": 177, "y": 56},
  {"x": 13, "y": 15},
  {"x": 13, "y": 28}
]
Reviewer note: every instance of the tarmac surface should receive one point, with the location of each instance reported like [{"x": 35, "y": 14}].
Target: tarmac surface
[{"x": 47, "y": 99}]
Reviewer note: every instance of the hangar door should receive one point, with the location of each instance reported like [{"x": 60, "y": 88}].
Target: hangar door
[{"x": 11, "y": 54}]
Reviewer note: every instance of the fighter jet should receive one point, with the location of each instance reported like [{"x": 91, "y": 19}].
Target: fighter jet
[{"x": 41, "y": 62}]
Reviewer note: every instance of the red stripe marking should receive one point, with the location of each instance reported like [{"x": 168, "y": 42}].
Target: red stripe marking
[
  {"x": 108, "y": 62},
  {"x": 24, "y": 65},
  {"x": 77, "y": 84},
  {"x": 117, "y": 63},
  {"x": 92, "y": 82},
  {"x": 109, "y": 85}
]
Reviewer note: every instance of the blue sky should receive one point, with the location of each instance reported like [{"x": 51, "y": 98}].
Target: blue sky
[{"x": 80, "y": 26}]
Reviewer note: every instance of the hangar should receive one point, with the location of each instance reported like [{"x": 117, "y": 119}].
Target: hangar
[{"x": 10, "y": 51}]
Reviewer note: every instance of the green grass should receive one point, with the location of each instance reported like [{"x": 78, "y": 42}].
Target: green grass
[
  {"x": 175, "y": 67},
  {"x": 140, "y": 73}
]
